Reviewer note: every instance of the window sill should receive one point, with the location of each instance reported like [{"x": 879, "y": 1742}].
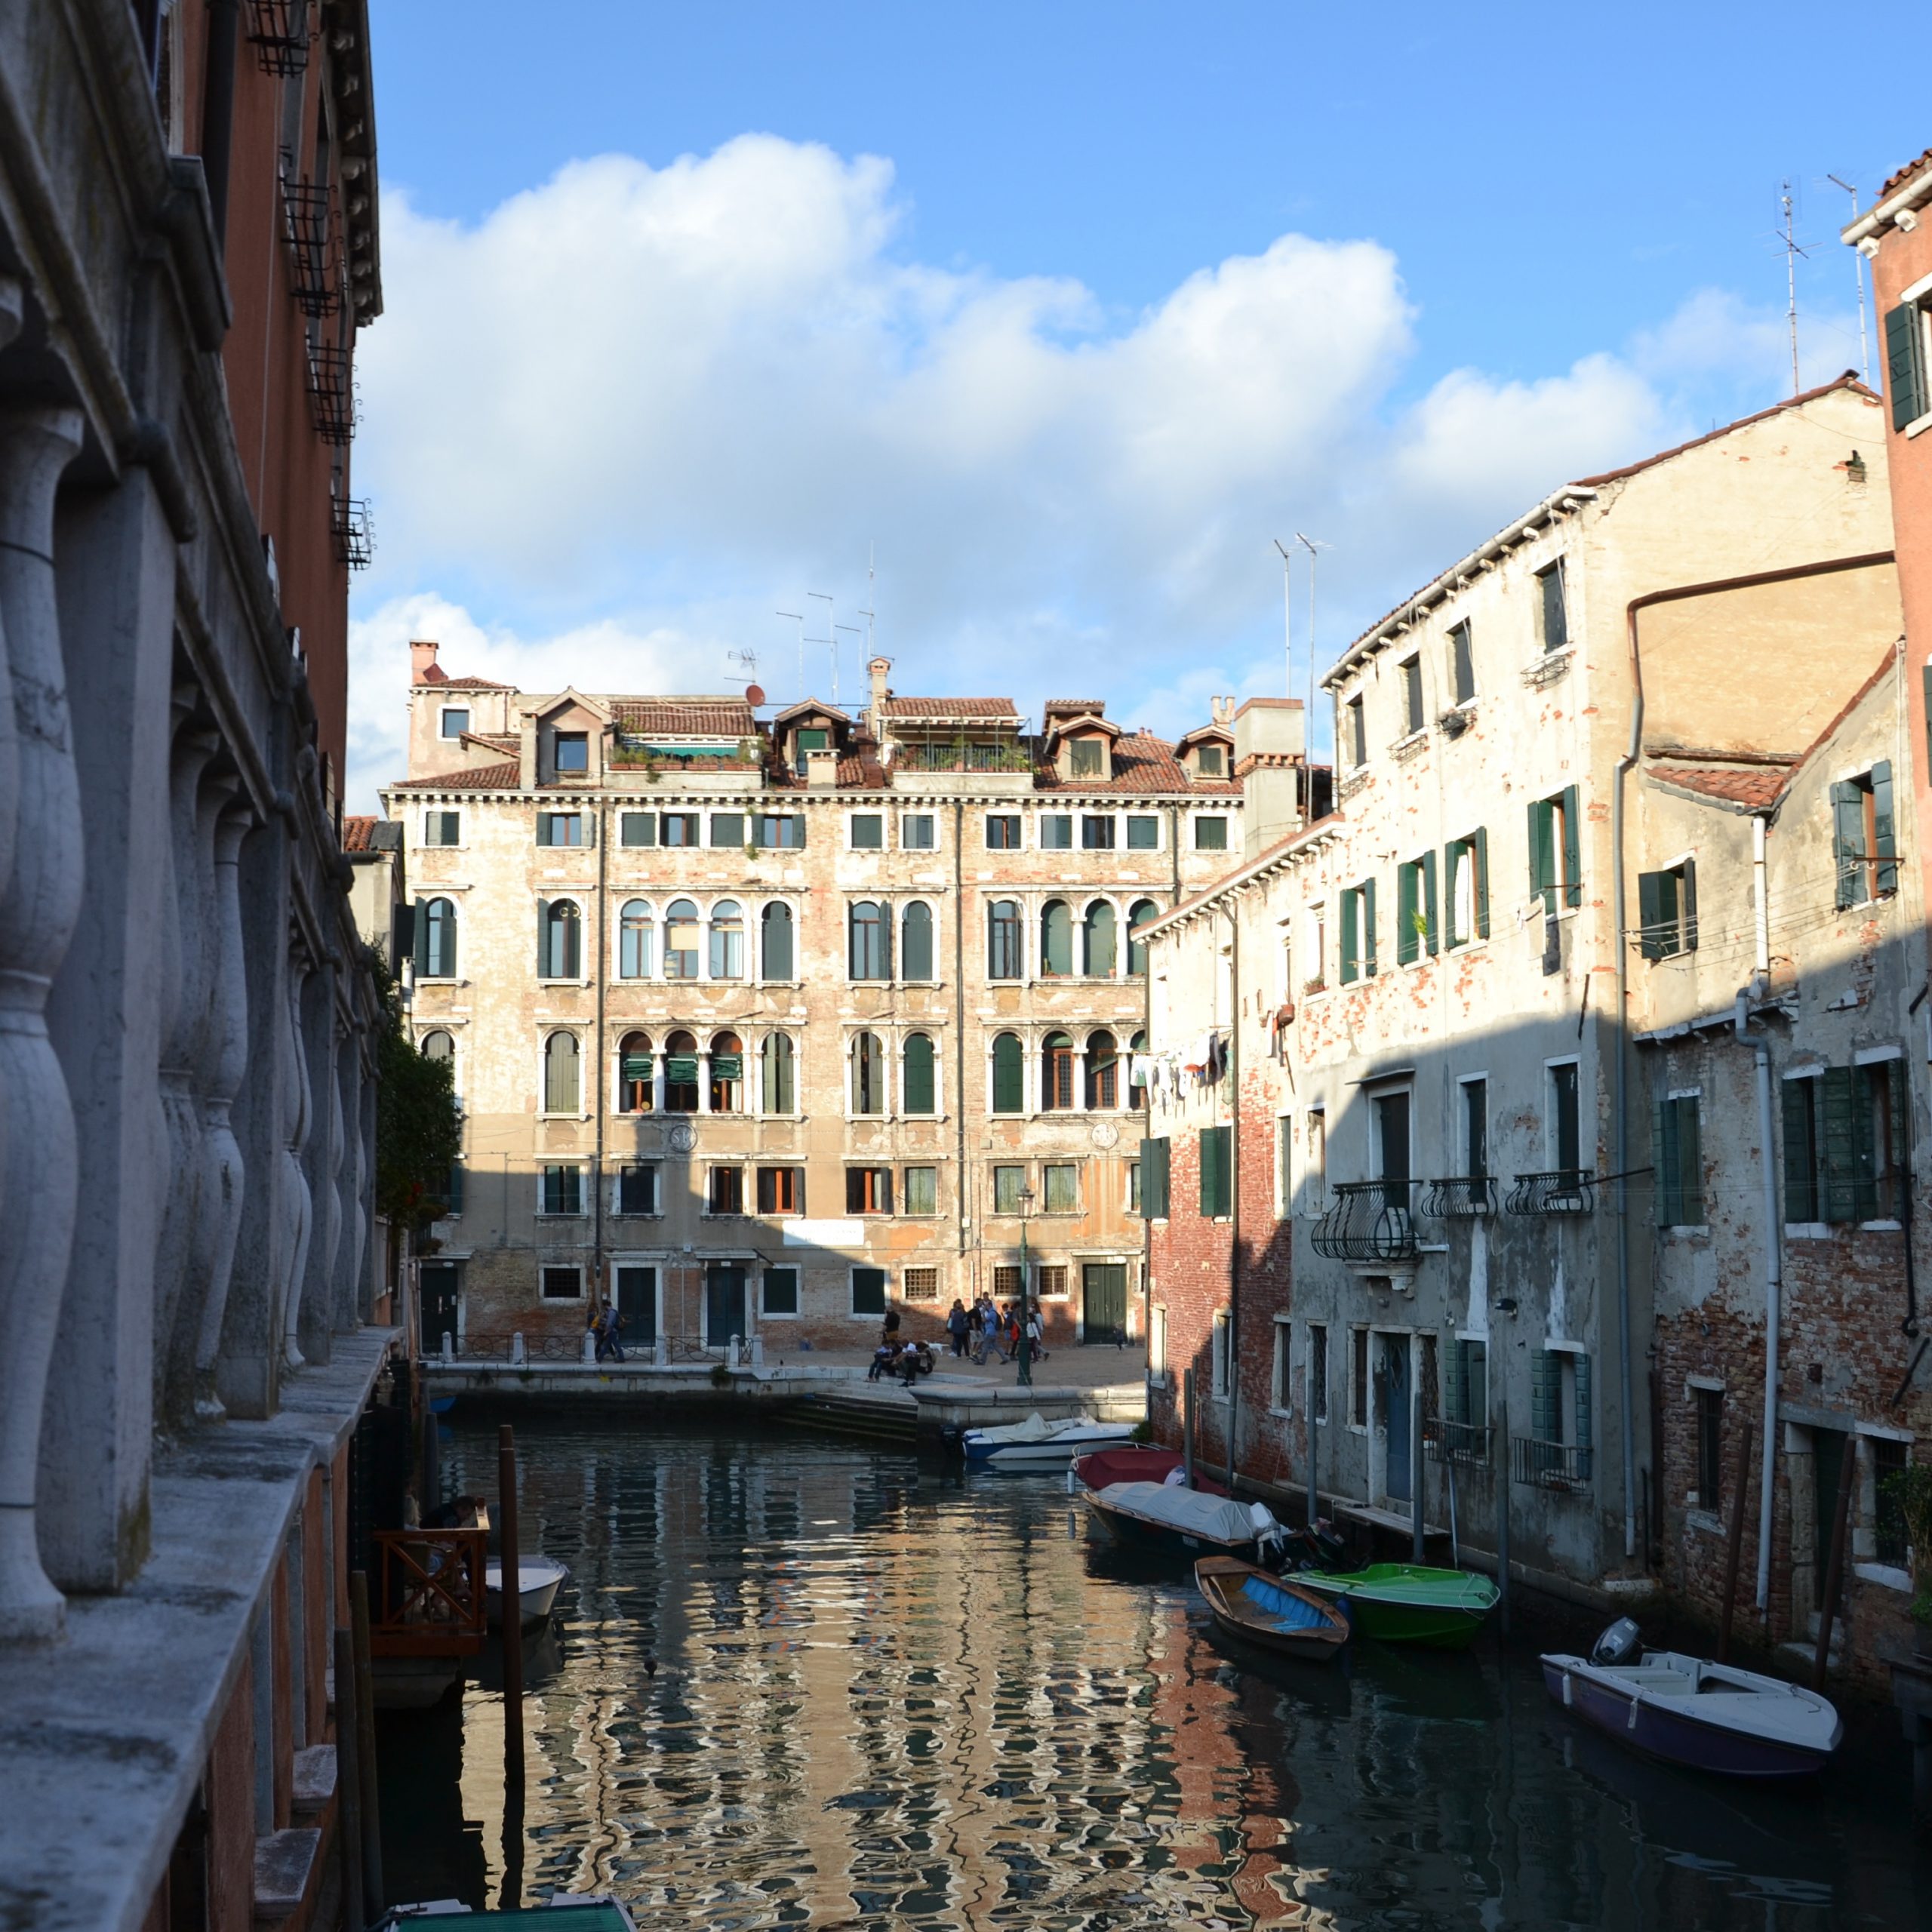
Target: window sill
[
  {"x": 1286, "y": 1415},
  {"x": 1918, "y": 425},
  {"x": 1879, "y": 1227},
  {"x": 1707, "y": 1522},
  {"x": 543, "y": 1214},
  {"x": 778, "y": 1315},
  {"x": 1883, "y": 1574},
  {"x": 1807, "y": 1231},
  {"x": 635, "y": 1214}
]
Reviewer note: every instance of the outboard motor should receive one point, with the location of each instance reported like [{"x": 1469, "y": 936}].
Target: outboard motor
[
  {"x": 1621, "y": 1643},
  {"x": 1267, "y": 1531}
]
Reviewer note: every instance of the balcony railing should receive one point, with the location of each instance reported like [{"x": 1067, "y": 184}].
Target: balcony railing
[
  {"x": 314, "y": 279},
  {"x": 354, "y": 540},
  {"x": 960, "y": 756},
  {"x": 1549, "y": 1465},
  {"x": 1369, "y": 1220},
  {"x": 279, "y": 30},
  {"x": 500, "y": 1347},
  {"x": 429, "y": 1599},
  {"x": 1459, "y": 1197},
  {"x": 1561, "y": 1191},
  {"x": 1466, "y": 1442},
  {"x": 332, "y": 392}
]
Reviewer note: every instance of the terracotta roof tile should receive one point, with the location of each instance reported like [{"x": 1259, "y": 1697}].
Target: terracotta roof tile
[
  {"x": 714, "y": 717},
  {"x": 1073, "y": 707},
  {"x": 1905, "y": 175},
  {"x": 862, "y": 771},
  {"x": 356, "y": 831},
  {"x": 505, "y": 777},
  {"x": 949, "y": 707},
  {"x": 436, "y": 675},
  {"x": 1142, "y": 764},
  {"x": 1756, "y": 786}
]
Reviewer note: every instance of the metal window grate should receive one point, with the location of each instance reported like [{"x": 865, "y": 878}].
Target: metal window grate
[
  {"x": 1458, "y": 1442},
  {"x": 308, "y": 226},
  {"x": 354, "y": 536},
  {"x": 1370, "y": 1221},
  {"x": 1459, "y": 1197},
  {"x": 332, "y": 393},
  {"x": 1562, "y": 1191},
  {"x": 279, "y": 33},
  {"x": 922, "y": 1284},
  {"x": 1562, "y": 1465}
]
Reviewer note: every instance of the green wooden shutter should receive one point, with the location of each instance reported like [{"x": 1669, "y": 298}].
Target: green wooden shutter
[
  {"x": 1482, "y": 882},
  {"x": 1431, "y": 934},
  {"x": 1368, "y": 928},
  {"x": 1455, "y": 856},
  {"x": 543, "y": 938},
  {"x": 1649, "y": 915},
  {"x": 1572, "y": 850},
  {"x": 1801, "y": 1158},
  {"x": 1543, "y": 854},
  {"x": 1407, "y": 940},
  {"x": 1008, "y": 1095},
  {"x": 1584, "y": 1438},
  {"x": 1456, "y": 1396},
  {"x": 1663, "y": 1162},
  {"x": 1689, "y": 873},
  {"x": 1847, "y": 838},
  {"x": 1864, "y": 1145},
  {"x": 1925, "y": 690},
  {"x": 1351, "y": 936},
  {"x": 918, "y": 1095},
  {"x": 1209, "y": 1150},
  {"x": 1905, "y": 364},
  {"x": 1545, "y": 1396},
  {"x": 1690, "y": 1164},
  {"x": 1154, "y": 1179},
  {"x": 453, "y": 1188},
  {"x": 422, "y": 946},
  {"x": 1884, "y": 833},
  {"x": 1841, "y": 1151}
]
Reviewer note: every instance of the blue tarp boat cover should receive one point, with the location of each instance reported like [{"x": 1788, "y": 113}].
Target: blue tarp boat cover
[{"x": 1286, "y": 1609}]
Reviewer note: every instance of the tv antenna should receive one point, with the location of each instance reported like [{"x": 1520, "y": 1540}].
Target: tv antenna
[
  {"x": 851, "y": 630},
  {"x": 1791, "y": 252},
  {"x": 871, "y": 646},
  {"x": 1312, "y": 545},
  {"x": 830, "y": 640},
  {"x": 798, "y": 618},
  {"x": 746, "y": 674},
  {"x": 1858, "y": 275},
  {"x": 1288, "y": 614}
]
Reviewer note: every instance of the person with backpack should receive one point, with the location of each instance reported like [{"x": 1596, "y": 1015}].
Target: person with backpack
[{"x": 956, "y": 1326}]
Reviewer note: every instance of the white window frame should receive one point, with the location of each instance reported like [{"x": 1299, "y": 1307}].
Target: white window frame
[
  {"x": 617, "y": 1211},
  {"x": 1583, "y": 1099},
  {"x": 1219, "y": 1365},
  {"x": 851, "y": 817},
  {"x": 931, "y": 819},
  {"x": 583, "y": 1197},
  {"x": 797, "y": 1270},
  {"x": 545, "y": 1029},
  {"x": 1280, "y": 1370},
  {"x": 444, "y": 734},
  {"x": 545, "y": 1267}
]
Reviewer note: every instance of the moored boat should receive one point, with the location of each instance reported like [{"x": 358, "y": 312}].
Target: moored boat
[
  {"x": 1037, "y": 1444},
  {"x": 1686, "y": 1710},
  {"x": 1274, "y": 1612},
  {"x": 1135, "y": 1462},
  {"x": 588, "y": 1911},
  {"x": 1165, "y": 1519},
  {"x": 1408, "y": 1603},
  {"x": 539, "y": 1579}
]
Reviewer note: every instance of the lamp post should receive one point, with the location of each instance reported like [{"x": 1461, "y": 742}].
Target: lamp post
[{"x": 1026, "y": 1336}]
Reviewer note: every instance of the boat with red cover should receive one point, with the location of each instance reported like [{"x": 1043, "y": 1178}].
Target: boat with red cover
[{"x": 1133, "y": 1462}]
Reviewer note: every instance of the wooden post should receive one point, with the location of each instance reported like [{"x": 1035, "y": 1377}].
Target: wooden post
[
  {"x": 1502, "y": 1461},
  {"x": 1835, "y": 1568},
  {"x": 347, "y": 1784},
  {"x": 510, "y": 1628},
  {"x": 364, "y": 1718},
  {"x": 1735, "y": 1547},
  {"x": 1416, "y": 1469},
  {"x": 1308, "y": 1409}
]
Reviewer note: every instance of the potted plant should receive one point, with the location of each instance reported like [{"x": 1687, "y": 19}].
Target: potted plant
[{"x": 1909, "y": 1491}]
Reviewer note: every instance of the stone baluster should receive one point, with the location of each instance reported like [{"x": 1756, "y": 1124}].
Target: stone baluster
[
  {"x": 357, "y": 1205},
  {"x": 294, "y": 1208},
  {"x": 11, "y": 306},
  {"x": 225, "y": 1060},
  {"x": 328, "y": 1168},
  {"x": 40, "y": 900}
]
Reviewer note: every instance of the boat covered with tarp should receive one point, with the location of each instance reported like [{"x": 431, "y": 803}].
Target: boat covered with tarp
[
  {"x": 1166, "y": 1519},
  {"x": 1410, "y": 1603}
]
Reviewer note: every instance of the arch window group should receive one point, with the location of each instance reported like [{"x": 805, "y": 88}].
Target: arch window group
[
  {"x": 868, "y": 940},
  {"x": 1073, "y": 942},
  {"x": 1075, "y": 1076},
  {"x": 718, "y": 941},
  {"x": 711, "y": 1078}
]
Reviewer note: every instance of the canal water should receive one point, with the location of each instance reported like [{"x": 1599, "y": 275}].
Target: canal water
[{"x": 884, "y": 1696}]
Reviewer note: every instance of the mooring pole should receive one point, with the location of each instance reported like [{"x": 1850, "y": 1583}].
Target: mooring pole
[
  {"x": 1827, "y": 1608},
  {"x": 1187, "y": 1424},
  {"x": 364, "y": 1715},
  {"x": 1314, "y": 1494},
  {"x": 1501, "y": 1465},
  {"x": 1734, "y": 1548},
  {"x": 1416, "y": 1466},
  {"x": 510, "y": 1631},
  {"x": 348, "y": 1783}
]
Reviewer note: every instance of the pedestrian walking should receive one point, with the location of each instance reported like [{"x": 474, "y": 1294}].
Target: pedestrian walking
[
  {"x": 614, "y": 1332},
  {"x": 956, "y": 1326},
  {"x": 1036, "y": 1334}
]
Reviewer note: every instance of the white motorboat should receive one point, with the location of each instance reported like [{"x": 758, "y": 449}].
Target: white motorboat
[
  {"x": 1711, "y": 1717},
  {"x": 1025, "y": 1447},
  {"x": 539, "y": 1579}
]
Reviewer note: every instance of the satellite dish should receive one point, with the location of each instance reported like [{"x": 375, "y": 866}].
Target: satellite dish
[{"x": 753, "y": 695}]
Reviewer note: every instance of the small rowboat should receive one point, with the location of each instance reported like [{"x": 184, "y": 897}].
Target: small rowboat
[
  {"x": 1711, "y": 1717},
  {"x": 539, "y": 1579},
  {"x": 1406, "y": 1603},
  {"x": 1035, "y": 1444},
  {"x": 1272, "y": 1611},
  {"x": 1164, "y": 1519},
  {"x": 1135, "y": 1463}
]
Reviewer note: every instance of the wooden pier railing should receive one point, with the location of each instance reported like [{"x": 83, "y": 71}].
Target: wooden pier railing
[{"x": 429, "y": 1593}]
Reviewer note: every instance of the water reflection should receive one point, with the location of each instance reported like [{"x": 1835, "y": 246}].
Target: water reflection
[{"x": 884, "y": 1699}]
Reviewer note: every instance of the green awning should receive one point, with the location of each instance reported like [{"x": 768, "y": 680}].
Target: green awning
[
  {"x": 728, "y": 1066},
  {"x": 680, "y": 1069},
  {"x": 637, "y": 1067}
]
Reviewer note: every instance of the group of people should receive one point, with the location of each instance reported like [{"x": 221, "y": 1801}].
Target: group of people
[
  {"x": 908, "y": 1360},
  {"x": 607, "y": 1325},
  {"x": 986, "y": 1329}
]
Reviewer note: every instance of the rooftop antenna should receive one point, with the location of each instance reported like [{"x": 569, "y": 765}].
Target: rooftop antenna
[
  {"x": 1288, "y": 614},
  {"x": 851, "y": 630},
  {"x": 798, "y": 618},
  {"x": 830, "y": 640},
  {"x": 1312, "y": 545},
  {"x": 1791, "y": 252},
  {"x": 1858, "y": 274},
  {"x": 872, "y": 645}
]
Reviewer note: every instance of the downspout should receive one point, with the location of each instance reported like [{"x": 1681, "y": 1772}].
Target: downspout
[
  {"x": 1773, "y": 1235},
  {"x": 960, "y": 1218},
  {"x": 1234, "y": 1188},
  {"x": 1829, "y": 566},
  {"x": 597, "y": 1157},
  {"x": 218, "y": 112}
]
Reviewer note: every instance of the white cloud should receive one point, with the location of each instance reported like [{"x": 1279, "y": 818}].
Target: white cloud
[{"x": 612, "y": 427}]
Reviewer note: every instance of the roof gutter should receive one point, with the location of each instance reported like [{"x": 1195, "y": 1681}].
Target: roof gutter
[
  {"x": 1680, "y": 594},
  {"x": 1884, "y": 214}
]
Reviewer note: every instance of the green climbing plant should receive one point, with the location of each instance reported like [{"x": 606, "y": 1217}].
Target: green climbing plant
[{"x": 419, "y": 1127}]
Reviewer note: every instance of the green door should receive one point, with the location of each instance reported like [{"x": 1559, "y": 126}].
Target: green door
[
  {"x": 723, "y": 1303},
  {"x": 1827, "y": 1449},
  {"x": 439, "y": 1283},
  {"x": 637, "y": 1303},
  {"x": 1103, "y": 1301}
]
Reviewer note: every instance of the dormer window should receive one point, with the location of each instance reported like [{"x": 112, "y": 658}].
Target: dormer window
[
  {"x": 1089, "y": 758},
  {"x": 573, "y": 752},
  {"x": 456, "y": 720},
  {"x": 1211, "y": 762}
]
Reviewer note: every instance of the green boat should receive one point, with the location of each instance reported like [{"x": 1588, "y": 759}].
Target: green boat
[{"x": 1403, "y": 1603}]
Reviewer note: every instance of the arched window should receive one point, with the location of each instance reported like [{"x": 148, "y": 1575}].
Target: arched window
[
  {"x": 1137, "y": 1095},
  {"x": 562, "y": 1088},
  {"x": 1056, "y": 940},
  {"x": 1103, "y": 1070},
  {"x": 1056, "y": 1073},
  {"x": 916, "y": 942},
  {"x": 776, "y": 951},
  {"x": 868, "y": 1075},
  {"x": 781, "y": 1075},
  {"x": 438, "y": 1045},
  {"x": 1142, "y": 912},
  {"x": 1009, "y": 1074},
  {"x": 727, "y": 941},
  {"x": 636, "y": 929},
  {"x": 559, "y": 940},
  {"x": 680, "y": 940},
  {"x": 435, "y": 939},
  {"x": 1097, "y": 940},
  {"x": 870, "y": 928},
  {"x": 727, "y": 1074},
  {"x": 1006, "y": 952},
  {"x": 636, "y": 1066},
  {"x": 916, "y": 1090},
  {"x": 680, "y": 1070}
]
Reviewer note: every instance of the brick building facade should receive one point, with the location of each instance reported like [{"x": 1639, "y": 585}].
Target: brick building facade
[{"x": 760, "y": 1025}]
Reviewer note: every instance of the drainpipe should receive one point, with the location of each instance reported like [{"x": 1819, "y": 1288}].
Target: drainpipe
[
  {"x": 1233, "y": 1187},
  {"x": 601, "y": 1093},
  {"x": 1829, "y": 566},
  {"x": 959, "y": 1009},
  {"x": 218, "y": 111}
]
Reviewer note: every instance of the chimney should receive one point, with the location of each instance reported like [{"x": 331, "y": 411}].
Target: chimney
[
  {"x": 422, "y": 659},
  {"x": 1270, "y": 750},
  {"x": 877, "y": 669}
]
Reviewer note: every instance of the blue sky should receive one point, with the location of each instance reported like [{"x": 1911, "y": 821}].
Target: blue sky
[{"x": 1068, "y": 309}]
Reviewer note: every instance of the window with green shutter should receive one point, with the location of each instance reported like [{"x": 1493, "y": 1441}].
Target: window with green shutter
[
  {"x": 1215, "y": 1176},
  {"x": 1351, "y": 936},
  {"x": 1677, "y": 1160},
  {"x": 1465, "y": 888},
  {"x": 1556, "y": 860},
  {"x": 1905, "y": 363},
  {"x": 916, "y": 1088},
  {"x": 1865, "y": 837},
  {"x": 1009, "y": 1082},
  {"x": 1803, "y": 1196},
  {"x": 1667, "y": 911},
  {"x": 1154, "y": 1179},
  {"x": 1416, "y": 933}
]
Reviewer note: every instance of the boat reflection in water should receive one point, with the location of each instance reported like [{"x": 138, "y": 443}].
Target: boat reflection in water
[{"x": 886, "y": 1700}]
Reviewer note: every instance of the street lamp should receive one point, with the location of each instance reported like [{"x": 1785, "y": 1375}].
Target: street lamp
[{"x": 1026, "y": 1334}]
